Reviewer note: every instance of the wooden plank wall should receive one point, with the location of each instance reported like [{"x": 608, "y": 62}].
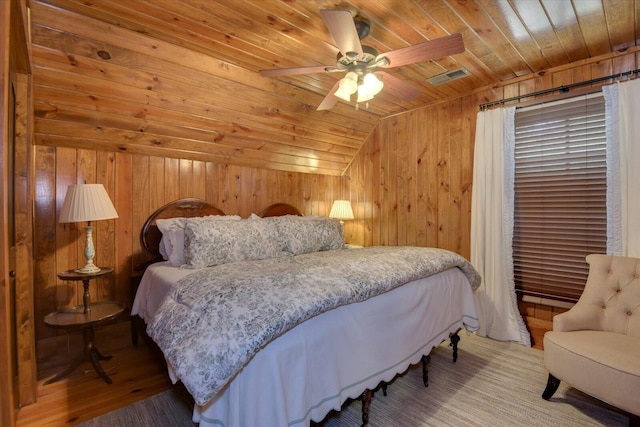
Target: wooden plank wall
[
  {"x": 23, "y": 191},
  {"x": 16, "y": 304},
  {"x": 138, "y": 185},
  {"x": 7, "y": 396},
  {"x": 412, "y": 182}
]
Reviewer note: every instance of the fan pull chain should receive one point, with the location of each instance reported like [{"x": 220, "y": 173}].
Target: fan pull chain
[{"x": 366, "y": 106}]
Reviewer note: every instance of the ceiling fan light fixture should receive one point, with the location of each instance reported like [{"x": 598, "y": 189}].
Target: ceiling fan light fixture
[
  {"x": 349, "y": 83},
  {"x": 345, "y": 96},
  {"x": 348, "y": 86},
  {"x": 364, "y": 94},
  {"x": 370, "y": 87},
  {"x": 347, "y": 30}
]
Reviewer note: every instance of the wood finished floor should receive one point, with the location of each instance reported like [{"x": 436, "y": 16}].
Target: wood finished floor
[{"x": 137, "y": 373}]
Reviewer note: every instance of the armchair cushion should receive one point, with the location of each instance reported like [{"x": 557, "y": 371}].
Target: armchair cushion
[{"x": 603, "y": 364}]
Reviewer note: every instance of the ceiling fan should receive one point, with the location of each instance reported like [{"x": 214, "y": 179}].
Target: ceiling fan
[{"x": 359, "y": 61}]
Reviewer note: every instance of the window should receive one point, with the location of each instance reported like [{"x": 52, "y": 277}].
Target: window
[{"x": 560, "y": 196}]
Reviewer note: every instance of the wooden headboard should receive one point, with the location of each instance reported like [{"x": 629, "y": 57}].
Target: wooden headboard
[
  {"x": 280, "y": 209},
  {"x": 183, "y": 208}
]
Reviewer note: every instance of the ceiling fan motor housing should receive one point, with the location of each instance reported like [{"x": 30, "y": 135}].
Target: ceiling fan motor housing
[
  {"x": 358, "y": 65},
  {"x": 363, "y": 27}
]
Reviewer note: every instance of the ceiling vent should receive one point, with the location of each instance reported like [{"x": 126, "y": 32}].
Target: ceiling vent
[{"x": 449, "y": 76}]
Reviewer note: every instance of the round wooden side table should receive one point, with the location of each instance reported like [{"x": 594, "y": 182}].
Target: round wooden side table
[
  {"x": 75, "y": 275},
  {"x": 74, "y": 318},
  {"x": 85, "y": 317}
]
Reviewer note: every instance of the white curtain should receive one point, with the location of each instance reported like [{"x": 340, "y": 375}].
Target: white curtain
[
  {"x": 492, "y": 226},
  {"x": 622, "y": 104}
]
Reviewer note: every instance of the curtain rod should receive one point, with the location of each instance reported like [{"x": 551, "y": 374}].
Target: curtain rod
[{"x": 563, "y": 88}]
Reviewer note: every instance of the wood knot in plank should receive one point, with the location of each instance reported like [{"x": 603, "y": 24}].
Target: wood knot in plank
[{"x": 104, "y": 54}]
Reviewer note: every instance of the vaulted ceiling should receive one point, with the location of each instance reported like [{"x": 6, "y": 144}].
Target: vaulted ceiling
[{"x": 179, "y": 78}]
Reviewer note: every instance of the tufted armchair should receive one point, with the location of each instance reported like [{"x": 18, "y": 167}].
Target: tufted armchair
[{"x": 595, "y": 346}]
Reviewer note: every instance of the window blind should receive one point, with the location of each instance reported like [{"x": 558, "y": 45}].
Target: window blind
[{"x": 560, "y": 195}]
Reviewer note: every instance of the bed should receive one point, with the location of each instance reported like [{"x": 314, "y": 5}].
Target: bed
[{"x": 255, "y": 345}]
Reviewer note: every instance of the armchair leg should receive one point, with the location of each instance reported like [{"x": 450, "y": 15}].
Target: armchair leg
[{"x": 552, "y": 385}]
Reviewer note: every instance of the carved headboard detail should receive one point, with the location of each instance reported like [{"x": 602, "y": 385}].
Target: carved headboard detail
[{"x": 280, "y": 209}]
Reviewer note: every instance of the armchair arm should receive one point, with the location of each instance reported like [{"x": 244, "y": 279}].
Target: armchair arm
[{"x": 579, "y": 317}]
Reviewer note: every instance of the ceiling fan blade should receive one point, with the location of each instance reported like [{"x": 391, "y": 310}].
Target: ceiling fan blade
[
  {"x": 438, "y": 48},
  {"x": 398, "y": 88},
  {"x": 330, "y": 100},
  {"x": 297, "y": 70},
  {"x": 343, "y": 30}
]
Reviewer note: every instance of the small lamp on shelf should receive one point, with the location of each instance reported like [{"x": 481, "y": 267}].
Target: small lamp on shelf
[
  {"x": 341, "y": 210},
  {"x": 87, "y": 202}
]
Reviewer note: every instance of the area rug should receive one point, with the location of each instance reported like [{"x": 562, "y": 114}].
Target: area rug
[{"x": 492, "y": 384}]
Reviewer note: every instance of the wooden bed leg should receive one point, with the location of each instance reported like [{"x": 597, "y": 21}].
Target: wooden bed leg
[
  {"x": 454, "y": 343},
  {"x": 425, "y": 369},
  {"x": 383, "y": 386},
  {"x": 366, "y": 401}
]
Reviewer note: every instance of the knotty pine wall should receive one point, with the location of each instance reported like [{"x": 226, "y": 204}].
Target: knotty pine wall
[
  {"x": 138, "y": 185},
  {"x": 411, "y": 182}
]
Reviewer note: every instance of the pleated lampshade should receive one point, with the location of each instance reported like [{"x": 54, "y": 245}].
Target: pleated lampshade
[
  {"x": 341, "y": 210},
  {"x": 86, "y": 202}
]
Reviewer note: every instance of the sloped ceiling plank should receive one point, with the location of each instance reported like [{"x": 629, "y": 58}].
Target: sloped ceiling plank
[{"x": 186, "y": 71}]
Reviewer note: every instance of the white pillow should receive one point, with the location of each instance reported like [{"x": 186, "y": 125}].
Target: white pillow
[
  {"x": 172, "y": 241},
  {"x": 162, "y": 249}
]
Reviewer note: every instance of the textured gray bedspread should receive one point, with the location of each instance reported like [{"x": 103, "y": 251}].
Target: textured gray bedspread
[{"x": 215, "y": 319}]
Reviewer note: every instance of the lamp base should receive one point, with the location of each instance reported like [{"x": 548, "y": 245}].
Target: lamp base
[
  {"x": 89, "y": 269},
  {"x": 89, "y": 252}
]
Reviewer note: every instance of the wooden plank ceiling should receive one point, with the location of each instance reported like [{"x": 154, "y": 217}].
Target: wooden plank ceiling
[{"x": 179, "y": 78}]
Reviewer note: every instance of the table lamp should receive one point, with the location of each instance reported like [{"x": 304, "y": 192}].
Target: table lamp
[
  {"x": 341, "y": 210},
  {"x": 87, "y": 202}
]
